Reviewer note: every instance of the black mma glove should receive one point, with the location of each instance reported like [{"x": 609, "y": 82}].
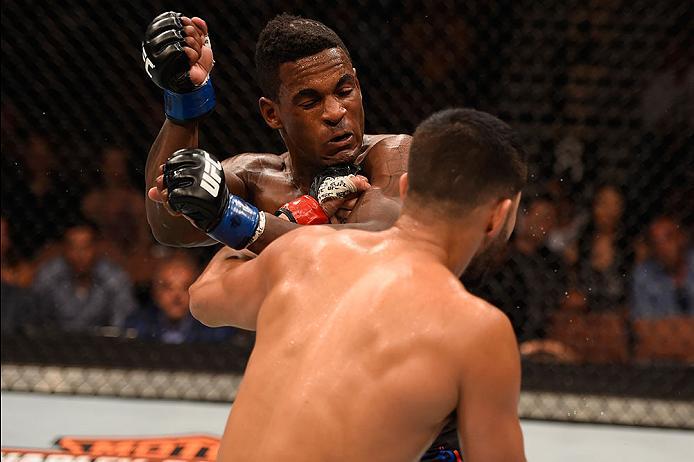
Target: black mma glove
[
  {"x": 196, "y": 186},
  {"x": 169, "y": 67}
]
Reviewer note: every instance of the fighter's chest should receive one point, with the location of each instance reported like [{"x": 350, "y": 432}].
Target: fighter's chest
[{"x": 270, "y": 190}]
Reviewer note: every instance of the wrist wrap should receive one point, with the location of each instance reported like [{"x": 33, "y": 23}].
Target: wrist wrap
[
  {"x": 305, "y": 211},
  {"x": 183, "y": 107},
  {"x": 238, "y": 224}
]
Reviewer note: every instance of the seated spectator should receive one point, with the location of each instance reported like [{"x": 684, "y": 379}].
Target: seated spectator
[
  {"x": 169, "y": 320},
  {"x": 532, "y": 284},
  {"x": 663, "y": 295},
  {"x": 78, "y": 291},
  {"x": 592, "y": 322},
  {"x": 602, "y": 265},
  {"x": 664, "y": 284},
  {"x": 16, "y": 302},
  {"x": 118, "y": 209}
]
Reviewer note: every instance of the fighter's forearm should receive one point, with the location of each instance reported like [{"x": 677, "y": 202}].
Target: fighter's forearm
[{"x": 166, "y": 228}]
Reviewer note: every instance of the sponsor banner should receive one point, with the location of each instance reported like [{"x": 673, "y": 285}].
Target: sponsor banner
[{"x": 188, "y": 448}]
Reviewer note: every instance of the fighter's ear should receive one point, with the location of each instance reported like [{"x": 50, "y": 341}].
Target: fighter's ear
[
  {"x": 498, "y": 218},
  {"x": 404, "y": 184},
  {"x": 270, "y": 112}
]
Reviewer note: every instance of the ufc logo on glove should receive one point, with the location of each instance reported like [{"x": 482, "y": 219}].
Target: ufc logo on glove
[{"x": 211, "y": 178}]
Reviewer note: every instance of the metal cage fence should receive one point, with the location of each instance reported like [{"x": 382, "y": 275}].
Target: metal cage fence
[{"x": 601, "y": 92}]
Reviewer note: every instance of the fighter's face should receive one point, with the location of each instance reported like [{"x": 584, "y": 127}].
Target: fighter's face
[
  {"x": 170, "y": 290},
  {"x": 320, "y": 108}
]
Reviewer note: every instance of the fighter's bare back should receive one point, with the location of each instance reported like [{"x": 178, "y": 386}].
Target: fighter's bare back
[{"x": 373, "y": 323}]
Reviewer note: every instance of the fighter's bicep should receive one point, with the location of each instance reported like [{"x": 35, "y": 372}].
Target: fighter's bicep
[
  {"x": 245, "y": 288},
  {"x": 234, "y": 174}
]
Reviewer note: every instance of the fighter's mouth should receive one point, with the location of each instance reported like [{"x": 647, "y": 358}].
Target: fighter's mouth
[{"x": 341, "y": 138}]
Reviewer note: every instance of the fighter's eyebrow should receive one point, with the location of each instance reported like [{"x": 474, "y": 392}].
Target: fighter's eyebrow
[{"x": 347, "y": 78}]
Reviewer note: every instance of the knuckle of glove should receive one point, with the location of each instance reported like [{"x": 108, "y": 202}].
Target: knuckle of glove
[
  {"x": 162, "y": 52},
  {"x": 197, "y": 187}
]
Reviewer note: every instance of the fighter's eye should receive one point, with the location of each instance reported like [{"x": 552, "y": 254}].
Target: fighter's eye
[
  {"x": 308, "y": 104},
  {"x": 345, "y": 92}
]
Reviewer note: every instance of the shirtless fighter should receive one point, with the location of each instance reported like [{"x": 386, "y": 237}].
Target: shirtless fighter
[
  {"x": 367, "y": 344},
  {"x": 313, "y": 98}
]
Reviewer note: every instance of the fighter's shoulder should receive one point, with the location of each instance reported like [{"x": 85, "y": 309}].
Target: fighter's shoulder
[
  {"x": 386, "y": 143},
  {"x": 253, "y": 162},
  {"x": 463, "y": 310},
  {"x": 305, "y": 241},
  {"x": 386, "y": 155},
  {"x": 485, "y": 324}
]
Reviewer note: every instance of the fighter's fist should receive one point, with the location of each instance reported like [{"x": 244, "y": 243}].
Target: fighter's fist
[
  {"x": 176, "y": 52},
  {"x": 338, "y": 189},
  {"x": 196, "y": 187},
  {"x": 333, "y": 194}
]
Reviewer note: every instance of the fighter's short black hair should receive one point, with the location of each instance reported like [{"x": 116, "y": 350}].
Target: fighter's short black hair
[
  {"x": 461, "y": 158},
  {"x": 289, "y": 38}
]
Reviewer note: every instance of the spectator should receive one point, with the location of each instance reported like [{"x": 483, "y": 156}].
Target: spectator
[
  {"x": 602, "y": 264},
  {"x": 118, "y": 210},
  {"x": 78, "y": 291},
  {"x": 16, "y": 271},
  {"x": 532, "y": 284},
  {"x": 663, "y": 296},
  {"x": 570, "y": 222},
  {"x": 168, "y": 319},
  {"x": 664, "y": 284},
  {"x": 16, "y": 300}
]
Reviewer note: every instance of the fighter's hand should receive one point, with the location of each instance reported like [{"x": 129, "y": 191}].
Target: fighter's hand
[
  {"x": 339, "y": 204},
  {"x": 176, "y": 52},
  {"x": 158, "y": 193},
  {"x": 337, "y": 190},
  {"x": 193, "y": 185},
  {"x": 331, "y": 198}
]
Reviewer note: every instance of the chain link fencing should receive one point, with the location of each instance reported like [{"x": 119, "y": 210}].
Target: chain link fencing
[{"x": 598, "y": 279}]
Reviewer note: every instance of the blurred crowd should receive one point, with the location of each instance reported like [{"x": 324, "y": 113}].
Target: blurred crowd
[
  {"x": 90, "y": 263},
  {"x": 598, "y": 270},
  {"x": 577, "y": 284}
]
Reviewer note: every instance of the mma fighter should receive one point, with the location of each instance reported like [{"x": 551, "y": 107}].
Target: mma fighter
[
  {"x": 311, "y": 95},
  {"x": 367, "y": 345}
]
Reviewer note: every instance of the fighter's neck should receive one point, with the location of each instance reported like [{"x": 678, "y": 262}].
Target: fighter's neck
[
  {"x": 303, "y": 172},
  {"x": 452, "y": 244}
]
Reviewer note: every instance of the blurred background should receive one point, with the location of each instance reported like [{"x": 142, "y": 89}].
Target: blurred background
[{"x": 598, "y": 279}]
